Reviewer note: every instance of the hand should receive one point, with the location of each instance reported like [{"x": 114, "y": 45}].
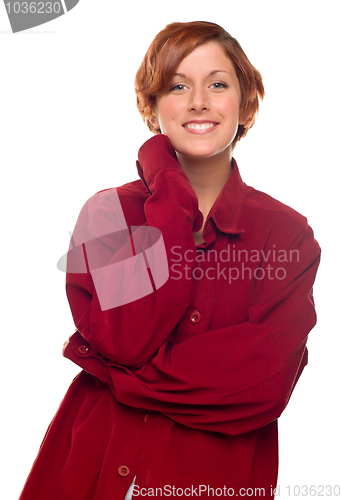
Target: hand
[{"x": 154, "y": 155}]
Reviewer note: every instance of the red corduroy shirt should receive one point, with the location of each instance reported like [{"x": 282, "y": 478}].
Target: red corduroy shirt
[{"x": 182, "y": 382}]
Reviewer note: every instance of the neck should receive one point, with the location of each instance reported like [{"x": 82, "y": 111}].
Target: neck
[{"x": 207, "y": 176}]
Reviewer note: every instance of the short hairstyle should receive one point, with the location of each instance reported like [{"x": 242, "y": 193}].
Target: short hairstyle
[{"x": 171, "y": 46}]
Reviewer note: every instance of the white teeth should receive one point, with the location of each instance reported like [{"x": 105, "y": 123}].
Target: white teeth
[{"x": 199, "y": 126}]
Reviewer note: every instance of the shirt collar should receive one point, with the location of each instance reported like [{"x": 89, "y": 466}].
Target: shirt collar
[{"x": 227, "y": 208}]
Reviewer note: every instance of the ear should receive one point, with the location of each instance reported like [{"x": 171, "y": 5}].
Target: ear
[
  {"x": 154, "y": 122},
  {"x": 243, "y": 117}
]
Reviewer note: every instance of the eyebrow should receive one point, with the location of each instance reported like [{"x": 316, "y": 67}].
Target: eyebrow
[{"x": 210, "y": 74}]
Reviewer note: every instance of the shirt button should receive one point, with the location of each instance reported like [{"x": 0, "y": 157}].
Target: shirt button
[
  {"x": 195, "y": 317},
  {"x": 83, "y": 349},
  {"x": 123, "y": 470},
  {"x": 145, "y": 418}
]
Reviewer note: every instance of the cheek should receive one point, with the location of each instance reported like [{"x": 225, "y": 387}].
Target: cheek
[
  {"x": 167, "y": 122},
  {"x": 231, "y": 107},
  {"x": 168, "y": 110},
  {"x": 167, "y": 125}
]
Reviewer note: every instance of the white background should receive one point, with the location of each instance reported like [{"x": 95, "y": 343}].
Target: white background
[{"x": 69, "y": 127}]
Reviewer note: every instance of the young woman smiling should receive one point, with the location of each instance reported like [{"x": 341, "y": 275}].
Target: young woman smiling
[
  {"x": 188, "y": 358},
  {"x": 200, "y": 114}
]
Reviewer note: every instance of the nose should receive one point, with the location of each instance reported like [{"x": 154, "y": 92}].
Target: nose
[{"x": 198, "y": 100}]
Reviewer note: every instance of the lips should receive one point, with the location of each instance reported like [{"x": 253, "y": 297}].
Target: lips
[{"x": 200, "y": 126}]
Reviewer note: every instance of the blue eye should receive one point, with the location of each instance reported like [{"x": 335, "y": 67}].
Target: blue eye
[
  {"x": 219, "y": 85},
  {"x": 179, "y": 86}
]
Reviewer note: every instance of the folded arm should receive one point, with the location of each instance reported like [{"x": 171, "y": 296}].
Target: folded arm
[{"x": 233, "y": 379}]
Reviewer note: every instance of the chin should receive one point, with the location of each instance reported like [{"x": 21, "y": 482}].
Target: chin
[{"x": 201, "y": 152}]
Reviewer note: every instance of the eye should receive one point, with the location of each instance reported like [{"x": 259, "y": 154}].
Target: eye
[
  {"x": 178, "y": 87},
  {"x": 219, "y": 85}
]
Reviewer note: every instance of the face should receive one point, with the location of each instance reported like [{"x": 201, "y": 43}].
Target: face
[{"x": 200, "y": 111}]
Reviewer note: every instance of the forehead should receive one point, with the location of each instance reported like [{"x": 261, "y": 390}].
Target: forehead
[{"x": 205, "y": 59}]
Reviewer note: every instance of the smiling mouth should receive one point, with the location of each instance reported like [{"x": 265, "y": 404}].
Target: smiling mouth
[{"x": 199, "y": 126}]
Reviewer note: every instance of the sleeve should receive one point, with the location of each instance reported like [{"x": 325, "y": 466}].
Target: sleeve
[
  {"x": 120, "y": 298},
  {"x": 239, "y": 378}
]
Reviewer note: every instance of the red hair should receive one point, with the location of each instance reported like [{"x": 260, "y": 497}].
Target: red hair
[{"x": 171, "y": 46}]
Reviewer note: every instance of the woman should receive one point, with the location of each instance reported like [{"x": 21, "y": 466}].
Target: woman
[{"x": 192, "y": 297}]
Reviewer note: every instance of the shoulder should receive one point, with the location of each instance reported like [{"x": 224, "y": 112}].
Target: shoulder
[
  {"x": 275, "y": 221},
  {"x": 270, "y": 208},
  {"x": 131, "y": 197},
  {"x": 128, "y": 195},
  {"x": 134, "y": 190},
  {"x": 121, "y": 206}
]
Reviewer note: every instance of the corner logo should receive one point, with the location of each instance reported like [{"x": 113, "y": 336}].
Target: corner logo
[
  {"x": 26, "y": 14},
  {"x": 125, "y": 263}
]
